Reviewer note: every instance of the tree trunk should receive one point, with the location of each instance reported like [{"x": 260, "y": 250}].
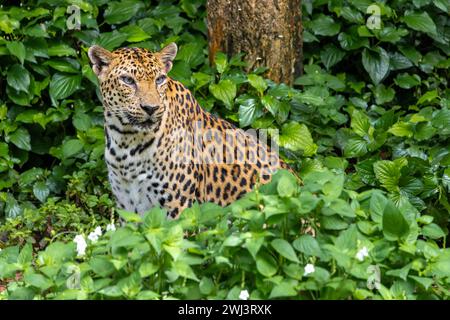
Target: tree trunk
[{"x": 268, "y": 31}]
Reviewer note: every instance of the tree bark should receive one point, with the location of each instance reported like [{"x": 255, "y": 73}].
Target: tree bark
[{"x": 268, "y": 31}]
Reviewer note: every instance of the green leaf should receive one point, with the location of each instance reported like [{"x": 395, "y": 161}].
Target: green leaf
[
  {"x": 270, "y": 103},
  {"x": 184, "y": 270},
  {"x": 420, "y": 22},
  {"x": 266, "y": 264},
  {"x": 37, "y": 280},
  {"x": 360, "y": 123},
  {"x": 21, "y": 138},
  {"x": 377, "y": 205},
  {"x": 390, "y": 34},
  {"x": 376, "y": 63},
  {"x": 111, "y": 291},
  {"x": 41, "y": 191},
  {"x": 383, "y": 94},
  {"x": 249, "y": 111},
  {"x": 146, "y": 269},
  {"x": 428, "y": 97},
  {"x": 101, "y": 266},
  {"x": 324, "y": 26},
  {"x": 401, "y": 273},
  {"x": 111, "y": 40},
  {"x": 351, "y": 40},
  {"x": 26, "y": 255},
  {"x": 424, "y": 282},
  {"x": 18, "y": 77},
  {"x": 398, "y": 61},
  {"x": 296, "y": 136},
  {"x": 394, "y": 223},
  {"x": 192, "y": 54},
  {"x": 286, "y": 186},
  {"x": 4, "y": 150},
  {"x": 64, "y": 66},
  {"x": 129, "y": 216},
  {"x": 444, "y": 5},
  {"x": 147, "y": 295},
  {"x": 119, "y": 12},
  {"x": 433, "y": 231},
  {"x": 285, "y": 249},
  {"x": 135, "y": 33},
  {"x": 406, "y": 81},
  {"x": 225, "y": 91},
  {"x": 221, "y": 62},
  {"x": 355, "y": 147},
  {"x": 206, "y": 285},
  {"x": 257, "y": 82},
  {"x": 389, "y": 172},
  {"x": 308, "y": 245},
  {"x": 441, "y": 120},
  {"x": 81, "y": 121},
  {"x": 71, "y": 148},
  {"x": 124, "y": 237},
  {"x": 29, "y": 176},
  {"x": 284, "y": 289},
  {"x": 330, "y": 55},
  {"x": 253, "y": 245},
  {"x": 61, "y": 50},
  {"x": 441, "y": 267},
  {"x": 62, "y": 86},
  {"x": 17, "y": 49},
  {"x": 402, "y": 129}
]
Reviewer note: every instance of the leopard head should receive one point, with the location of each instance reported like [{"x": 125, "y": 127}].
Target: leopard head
[{"x": 133, "y": 83}]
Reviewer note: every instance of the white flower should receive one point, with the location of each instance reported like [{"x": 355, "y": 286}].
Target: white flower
[
  {"x": 111, "y": 227},
  {"x": 98, "y": 231},
  {"x": 309, "y": 268},
  {"x": 244, "y": 295},
  {"x": 93, "y": 236},
  {"x": 81, "y": 245},
  {"x": 362, "y": 253}
]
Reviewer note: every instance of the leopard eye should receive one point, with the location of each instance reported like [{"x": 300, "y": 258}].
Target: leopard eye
[
  {"x": 128, "y": 80},
  {"x": 160, "y": 80}
]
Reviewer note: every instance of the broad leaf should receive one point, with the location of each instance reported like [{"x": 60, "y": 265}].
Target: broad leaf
[
  {"x": 17, "y": 49},
  {"x": 225, "y": 91},
  {"x": 325, "y": 26},
  {"x": 296, "y": 136},
  {"x": 420, "y": 22},
  {"x": 118, "y": 12},
  {"x": 41, "y": 191},
  {"x": 257, "y": 82},
  {"x": 21, "y": 138},
  {"x": 62, "y": 86},
  {"x": 376, "y": 63},
  {"x": 330, "y": 55},
  {"x": 394, "y": 224},
  {"x": 18, "y": 77}
]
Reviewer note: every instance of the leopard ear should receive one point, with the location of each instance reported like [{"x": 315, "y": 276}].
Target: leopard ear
[
  {"x": 100, "y": 58},
  {"x": 167, "y": 54}
]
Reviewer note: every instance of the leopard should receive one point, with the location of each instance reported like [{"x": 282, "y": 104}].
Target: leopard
[{"x": 161, "y": 147}]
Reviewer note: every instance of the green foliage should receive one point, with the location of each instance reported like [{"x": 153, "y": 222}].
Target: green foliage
[
  {"x": 366, "y": 126},
  {"x": 254, "y": 244}
]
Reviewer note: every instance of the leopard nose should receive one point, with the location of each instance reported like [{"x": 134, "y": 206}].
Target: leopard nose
[{"x": 149, "y": 109}]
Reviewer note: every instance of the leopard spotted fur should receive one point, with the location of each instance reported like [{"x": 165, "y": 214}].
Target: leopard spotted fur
[{"x": 152, "y": 125}]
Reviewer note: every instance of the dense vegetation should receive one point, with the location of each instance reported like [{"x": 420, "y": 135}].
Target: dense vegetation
[{"x": 367, "y": 127}]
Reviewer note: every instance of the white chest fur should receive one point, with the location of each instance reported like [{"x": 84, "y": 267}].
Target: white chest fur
[{"x": 133, "y": 175}]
